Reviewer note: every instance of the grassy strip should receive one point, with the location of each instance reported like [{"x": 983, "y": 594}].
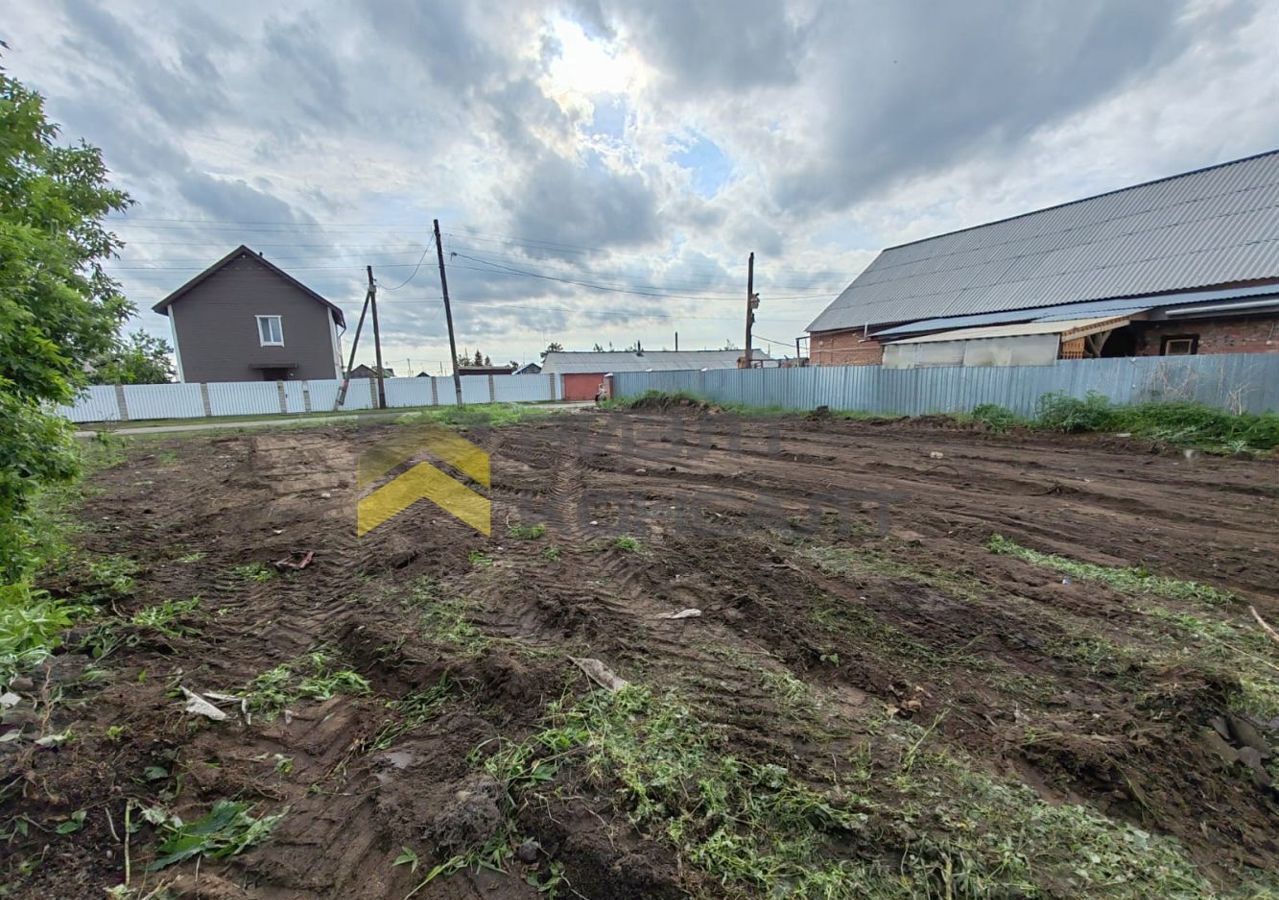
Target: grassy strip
[
  {"x": 1181, "y": 423},
  {"x": 1237, "y": 648},
  {"x": 759, "y": 829},
  {"x": 1129, "y": 579}
]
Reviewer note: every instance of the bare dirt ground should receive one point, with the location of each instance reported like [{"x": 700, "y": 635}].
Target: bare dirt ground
[{"x": 923, "y": 716}]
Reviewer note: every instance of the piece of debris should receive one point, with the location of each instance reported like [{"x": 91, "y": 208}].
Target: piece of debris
[
  {"x": 197, "y": 705},
  {"x": 599, "y": 673},
  {"x": 682, "y": 614},
  {"x": 528, "y": 850},
  {"x": 325, "y": 495},
  {"x": 1265, "y": 626},
  {"x": 936, "y": 454},
  {"x": 471, "y": 819},
  {"x": 295, "y": 560},
  {"x": 8, "y": 699}
]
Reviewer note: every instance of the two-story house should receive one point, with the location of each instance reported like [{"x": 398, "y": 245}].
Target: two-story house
[{"x": 246, "y": 319}]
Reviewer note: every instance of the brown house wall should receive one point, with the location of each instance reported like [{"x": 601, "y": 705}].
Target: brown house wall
[
  {"x": 844, "y": 348},
  {"x": 217, "y": 332},
  {"x": 1250, "y": 334}
]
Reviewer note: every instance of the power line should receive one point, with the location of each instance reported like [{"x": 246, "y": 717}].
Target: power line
[{"x": 412, "y": 275}]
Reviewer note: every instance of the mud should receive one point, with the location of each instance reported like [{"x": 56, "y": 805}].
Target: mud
[{"x": 851, "y": 556}]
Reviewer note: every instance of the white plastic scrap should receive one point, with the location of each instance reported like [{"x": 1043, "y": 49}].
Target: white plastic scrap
[
  {"x": 197, "y": 705},
  {"x": 599, "y": 673},
  {"x": 682, "y": 614}
]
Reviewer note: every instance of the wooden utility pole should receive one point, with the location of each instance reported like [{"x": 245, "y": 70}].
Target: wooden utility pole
[
  {"x": 448, "y": 313},
  {"x": 377, "y": 341},
  {"x": 346, "y": 376},
  {"x": 751, "y": 303}
]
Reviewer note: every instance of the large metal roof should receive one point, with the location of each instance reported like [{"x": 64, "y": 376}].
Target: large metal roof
[
  {"x": 573, "y": 362},
  {"x": 1213, "y": 226}
]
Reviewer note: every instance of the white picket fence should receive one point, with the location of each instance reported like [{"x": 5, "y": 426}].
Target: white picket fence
[{"x": 134, "y": 402}]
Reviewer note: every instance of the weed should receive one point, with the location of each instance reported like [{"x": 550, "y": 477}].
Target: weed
[
  {"x": 226, "y": 830},
  {"x": 283, "y": 764},
  {"x": 480, "y": 559},
  {"x": 551, "y": 553},
  {"x": 792, "y": 694},
  {"x": 329, "y": 684},
  {"x": 627, "y": 543},
  {"x": 193, "y": 557},
  {"x": 116, "y": 732},
  {"x": 476, "y": 415},
  {"x": 254, "y": 571},
  {"x": 164, "y": 617},
  {"x": 31, "y": 623},
  {"x": 445, "y": 622},
  {"x": 527, "y": 532},
  {"x": 1131, "y": 579},
  {"x": 853, "y": 561},
  {"x": 407, "y": 857}
]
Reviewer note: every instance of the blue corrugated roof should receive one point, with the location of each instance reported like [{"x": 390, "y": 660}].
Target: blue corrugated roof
[{"x": 1116, "y": 307}]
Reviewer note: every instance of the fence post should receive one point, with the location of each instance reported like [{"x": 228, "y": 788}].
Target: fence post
[
  {"x": 121, "y": 403},
  {"x": 284, "y": 400},
  {"x": 435, "y": 392},
  {"x": 551, "y": 380},
  {"x": 306, "y": 396},
  {"x": 373, "y": 392},
  {"x": 204, "y": 400},
  {"x": 492, "y": 391}
]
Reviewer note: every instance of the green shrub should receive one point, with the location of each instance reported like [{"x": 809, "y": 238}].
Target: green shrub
[
  {"x": 1060, "y": 412},
  {"x": 996, "y": 418}
]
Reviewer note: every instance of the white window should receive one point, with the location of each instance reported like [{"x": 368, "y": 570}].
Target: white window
[{"x": 270, "y": 331}]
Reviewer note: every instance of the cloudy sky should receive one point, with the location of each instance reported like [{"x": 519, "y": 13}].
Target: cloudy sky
[{"x": 601, "y": 169}]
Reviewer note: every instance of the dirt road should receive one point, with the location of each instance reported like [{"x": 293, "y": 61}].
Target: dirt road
[{"x": 869, "y": 700}]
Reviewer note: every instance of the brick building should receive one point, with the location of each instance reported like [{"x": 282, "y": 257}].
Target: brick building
[{"x": 1183, "y": 265}]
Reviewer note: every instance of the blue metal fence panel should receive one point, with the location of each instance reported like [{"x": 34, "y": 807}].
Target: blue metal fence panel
[
  {"x": 243, "y": 398},
  {"x": 1237, "y": 382},
  {"x": 164, "y": 401}
]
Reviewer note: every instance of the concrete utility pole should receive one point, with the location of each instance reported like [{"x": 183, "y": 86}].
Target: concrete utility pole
[
  {"x": 752, "y": 303},
  {"x": 346, "y": 376},
  {"x": 448, "y": 313},
  {"x": 377, "y": 341}
]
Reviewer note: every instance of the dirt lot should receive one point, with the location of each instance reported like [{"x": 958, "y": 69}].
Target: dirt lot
[{"x": 871, "y": 702}]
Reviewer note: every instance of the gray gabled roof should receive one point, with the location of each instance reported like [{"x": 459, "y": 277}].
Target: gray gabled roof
[
  {"x": 243, "y": 251},
  {"x": 1212, "y": 226},
  {"x": 574, "y": 362}
]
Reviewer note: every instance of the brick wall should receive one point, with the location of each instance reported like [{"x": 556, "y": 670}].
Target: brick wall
[
  {"x": 1244, "y": 334},
  {"x": 844, "y": 348}
]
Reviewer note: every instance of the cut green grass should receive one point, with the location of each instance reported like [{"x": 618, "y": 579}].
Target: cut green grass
[
  {"x": 254, "y": 571},
  {"x": 552, "y": 553},
  {"x": 1128, "y": 579},
  {"x": 761, "y": 829},
  {"x": 627, "y": 544},
  {"x": 31, "y": 624},
  {"x": 166, "y": 617},
  {"x": 414, "y": 710},
  {"x": 311, "y": 677},
  {"x": 527, "y": 532},
  {"x": 227, "y": 830},
  {"x": 846, "y": 561}
]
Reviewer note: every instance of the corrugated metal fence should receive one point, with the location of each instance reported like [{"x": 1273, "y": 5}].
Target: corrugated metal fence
[
  {"x": 131, "y": 402},
  {"x": 1238, "y": 382}
]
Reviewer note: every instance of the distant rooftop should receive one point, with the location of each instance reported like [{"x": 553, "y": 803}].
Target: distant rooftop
[
  {"x": 1213, "y": 226},
  {"x": 571, "y": 362}
]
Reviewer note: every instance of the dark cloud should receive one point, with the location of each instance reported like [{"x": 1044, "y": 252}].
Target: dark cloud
[
  {"x": 701, "y": 45},
  {"x": 583, "y": 203},
  {"x": 910, "y": 93}
]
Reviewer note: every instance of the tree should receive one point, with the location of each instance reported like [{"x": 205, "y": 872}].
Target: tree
[
  {"x": 597, "y": 348},
  {"x": 58, "y": 308},
  {"x": 553, "y": 347},
  {"x": 487, "y": 361},
  {"x": 479, "y": 358},
  {"x": 137, "y": 359}
]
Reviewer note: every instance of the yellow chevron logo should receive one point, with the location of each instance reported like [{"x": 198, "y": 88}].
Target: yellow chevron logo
[{"x": 422, "y": 480}]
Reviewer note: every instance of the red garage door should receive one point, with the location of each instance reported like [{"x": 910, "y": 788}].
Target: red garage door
[{"x": 582, "y": 387}]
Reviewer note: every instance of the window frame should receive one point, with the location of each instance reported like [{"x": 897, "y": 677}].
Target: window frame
[
  {"x": 1170, "y": 338},
  {"x": 279, "y": 326}
]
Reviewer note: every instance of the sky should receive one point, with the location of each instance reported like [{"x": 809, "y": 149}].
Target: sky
[{"x": 602, "y": 169}]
